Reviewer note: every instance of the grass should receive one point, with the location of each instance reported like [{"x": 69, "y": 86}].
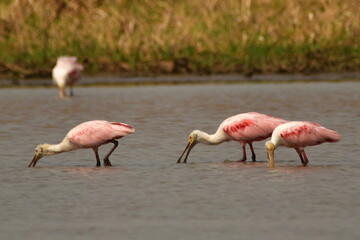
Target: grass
[{"x": 144, "y": 37}]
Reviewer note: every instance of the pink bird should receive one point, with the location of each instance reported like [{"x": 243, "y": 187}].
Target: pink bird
[
  {"x": 244, "y": 128},
  {"x": 90, "y": 134},
  {"x": 298, "y": 135},
  {"x": 65, "y": 73}
]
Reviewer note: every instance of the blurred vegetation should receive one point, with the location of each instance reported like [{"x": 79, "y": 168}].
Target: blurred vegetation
[{"x": 144, "y": 37}]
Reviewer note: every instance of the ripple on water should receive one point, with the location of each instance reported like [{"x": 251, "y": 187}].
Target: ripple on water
[{"x": 147, "y": 195}]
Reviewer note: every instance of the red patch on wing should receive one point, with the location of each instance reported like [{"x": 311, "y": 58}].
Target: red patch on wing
[
  {"x": 238, "y": 126},
  {"x": 73, "y": 73},
  {"x": 294, "y": 132},
  {"x": 78, "y": 134}
]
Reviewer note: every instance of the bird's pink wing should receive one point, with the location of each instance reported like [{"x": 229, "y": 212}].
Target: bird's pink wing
[
  {"x": 95, "y": 133},
  {"x": 308, "y": 134},
  {"x": 67, "y": 60},
  {"x": 69, "y": 63},
  {"x": 251, "y": 128}
]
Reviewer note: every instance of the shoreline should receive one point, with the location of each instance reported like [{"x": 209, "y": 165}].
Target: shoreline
[{"x": 89, "y": 80}]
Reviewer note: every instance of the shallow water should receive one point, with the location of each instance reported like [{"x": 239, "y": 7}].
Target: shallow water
[{"x": 146, "y": 195}]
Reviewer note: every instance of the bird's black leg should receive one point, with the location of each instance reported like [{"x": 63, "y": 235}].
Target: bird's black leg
[
  {"x": 71, "y": 91},
  {"x": 305, "y": 157},
  {"x": 300, "y": 155},
  {"x": 106, "y": 159},
  {"x": 244, "y": 153},
  {"x": 97, "y": 157},
  {"x": 253, "y": 156}
]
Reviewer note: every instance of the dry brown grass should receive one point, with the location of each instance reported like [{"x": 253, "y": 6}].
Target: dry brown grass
[{"x": 210, "y": 36}]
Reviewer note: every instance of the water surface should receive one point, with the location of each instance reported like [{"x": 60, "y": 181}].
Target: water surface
[{"x": 146, "y": 195}]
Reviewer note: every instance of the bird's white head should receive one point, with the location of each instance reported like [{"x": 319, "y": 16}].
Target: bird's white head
[
  {"x": 40, "y": 151},
  {"x": 195, "y": 136},
  {"x": 193, "y": 139},
  {"x": 270, "y": 148}
]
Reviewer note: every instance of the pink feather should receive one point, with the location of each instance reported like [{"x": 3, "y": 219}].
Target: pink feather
[
  {"x": 248, "y": 127},
  {"x": 95, "y": 133},
  {"x": 302, "y": 134}
]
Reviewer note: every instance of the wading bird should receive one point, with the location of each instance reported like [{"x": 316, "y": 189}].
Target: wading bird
[
  {"x": 298, "y": 135},
  {"x": 90, "y": 134},
  {"x": 244, "y": 128},
  {"x": 65, "y": 73}
]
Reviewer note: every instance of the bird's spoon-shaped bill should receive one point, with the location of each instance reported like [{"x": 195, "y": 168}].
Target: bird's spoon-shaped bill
[
  {"x": 189, "y": 146},
  {"x": 33, "y": 161}
]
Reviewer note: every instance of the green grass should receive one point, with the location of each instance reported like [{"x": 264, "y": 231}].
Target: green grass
[{"x": 146, "y": 37}]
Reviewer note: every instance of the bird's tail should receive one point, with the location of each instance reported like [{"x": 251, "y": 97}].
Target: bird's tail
[
  {"x": 330, "y": 135},
  {"x": 127, "y": 129}
]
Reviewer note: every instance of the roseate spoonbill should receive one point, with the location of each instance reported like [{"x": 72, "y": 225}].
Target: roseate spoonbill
[
  {"x": 244, "y": 128},
  {"x": 65, "y": 73},
  {"x": 298, "y": 135},
  {"x": 90, "y": 134}
]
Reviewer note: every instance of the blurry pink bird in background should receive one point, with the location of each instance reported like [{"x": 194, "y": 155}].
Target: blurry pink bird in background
[
  {"x": 244, "y": 128},
  {"x": 90, "y": 134},
  {"x": 65, "y": 73},
  {"x": 298, "y": 135}
]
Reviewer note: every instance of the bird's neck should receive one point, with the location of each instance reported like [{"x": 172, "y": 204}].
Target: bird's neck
[
  {"x": 211, "y": 139},
  {"x": 64, "y": 146},
  {"x": 276, "y": 140},
  {"x": 276, "y": 144}
]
